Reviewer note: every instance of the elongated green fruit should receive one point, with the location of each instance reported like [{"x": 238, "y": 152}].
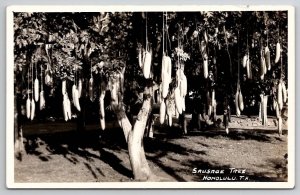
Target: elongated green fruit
[
  {"x": 280, "y": 125},
  {"x": 102, "y": 111},
  {"x": 140, "y": 56},
  {"x": 32, "y": 109},
  {"x": 79, "y": 88},
  {"x": 205, "y": 68},
  {"x": 121, "y": 78},
  {"x": 277, "y": 110},
  {"x": 170, "y": 120},
  {"x": 178, "y": 100},
  {"x": 267, "y": 57},
  {"x": 241, "y": 102},
  {"x": 245, "y": 58},
  {"x": 183, "y": 85},
  {"x": 76, "y": 100},
  {"x": 262, "y": 108},
  {"x": 102, "y": 123},
  {"x": 69, "y": 113},
  {"x": 36, "y": 90},
  {"x": 265, "y": 110},
  {"x": 284, "y": 94},
  {"x": 262, "y": 67},
  {"x": 163, "y": 67},
  {"x": 147, "y": 65},
  {"x": 278, "y": 50},
  {"x": 165, "y": 85},
  {"x": 101, "y": 103},
  {"x": 168, "y": 68},
  {"x": 48, "y": 79},
  {"x": 42, "y": 100},
  {"x": 73, "y": 93},
  {"x": 238, "y": 112},
  {"x": 249, "y": 69},
  {"x": 183, "y": 103},
  {"x": 279, "y": 96},
  {"x": 213, "y": 97},
  {"x": 205, "y": 37},
  {"x": 65, "y": 108},
  {"x": 91, "y": 89},
  {"x": 162, "y": 112},
  {"x": 28, "y": 107},
  {"x": 63, "y": 87}
]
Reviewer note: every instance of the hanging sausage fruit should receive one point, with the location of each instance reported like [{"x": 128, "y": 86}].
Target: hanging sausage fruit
[
  {"x": 205, "y": 66},
  {"x": 267, "y": 57},
  {"x": 79, "y": 88},
  {"x": 265, "y": 118},
  {"x": 162, "y": 112},
  {"x": 238, "y": 112},
  {"x": 102, "y": 90},
  {"x": 76, "y": 99},
  {"x": 28, "y": 101},
  {"x": 148, "y": 56},
  {"x": 239, "y": 102},
  {"x": 75, "y": 95},
  {"x": 278, "y": 50},
  {"x": 141, "y": 57},
  {"x": 249, "y": 69},
  {"x": 263, "y": 68},
  {"x": 48, "y": 76},
  {"x": 279, "y": 95},
  {"x": 166, "y": 70},
  {"x": 247, "y": 61},
  {"x": 147, "y": 62},
  {"x": 66, "y": 107},
  {"x": 64, "y": 87},
  {"x": 32, "y": 106},
  {"x": 91, "y": 86},
  {"x": 42, "y": 98},
  {"x": 284, "y": 92},
  {"x": 36, "y": 86}
]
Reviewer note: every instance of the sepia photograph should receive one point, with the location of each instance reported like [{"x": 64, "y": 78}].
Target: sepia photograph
[{"x": 150, "y": 97}]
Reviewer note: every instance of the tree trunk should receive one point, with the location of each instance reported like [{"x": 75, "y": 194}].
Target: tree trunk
[
  {"x": 140, "y": 167},
  {"x": 122, "y": 118},
  {"x": 134, "y": 136},
  {"x": 150, "y": 123},
  {"x": 18, "y": 133},
  {"x": 183, "y": 122}
]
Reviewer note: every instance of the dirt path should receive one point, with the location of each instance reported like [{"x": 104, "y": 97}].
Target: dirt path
[{"x": 83, "y": 157}]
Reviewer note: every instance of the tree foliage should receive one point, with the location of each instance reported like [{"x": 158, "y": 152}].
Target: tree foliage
[{"x": 83, "y": 45}]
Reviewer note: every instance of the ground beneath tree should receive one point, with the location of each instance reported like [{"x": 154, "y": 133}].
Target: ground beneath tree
[{"x": 56, "y": 152}]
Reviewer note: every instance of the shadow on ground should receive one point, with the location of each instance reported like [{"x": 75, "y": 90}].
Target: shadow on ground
[{"x": 95, "y": 145}]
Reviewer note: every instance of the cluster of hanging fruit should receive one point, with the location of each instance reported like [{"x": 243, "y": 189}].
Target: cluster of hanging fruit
[
  {"x": 281, "y": 97},
  {"x": 210, "y": 94},
  {"x": 265, "y": 63},
  {"x": 173, "y": 104},
  {"x": 36, "y": 94},
  {"x": 265, "y": 60}
]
